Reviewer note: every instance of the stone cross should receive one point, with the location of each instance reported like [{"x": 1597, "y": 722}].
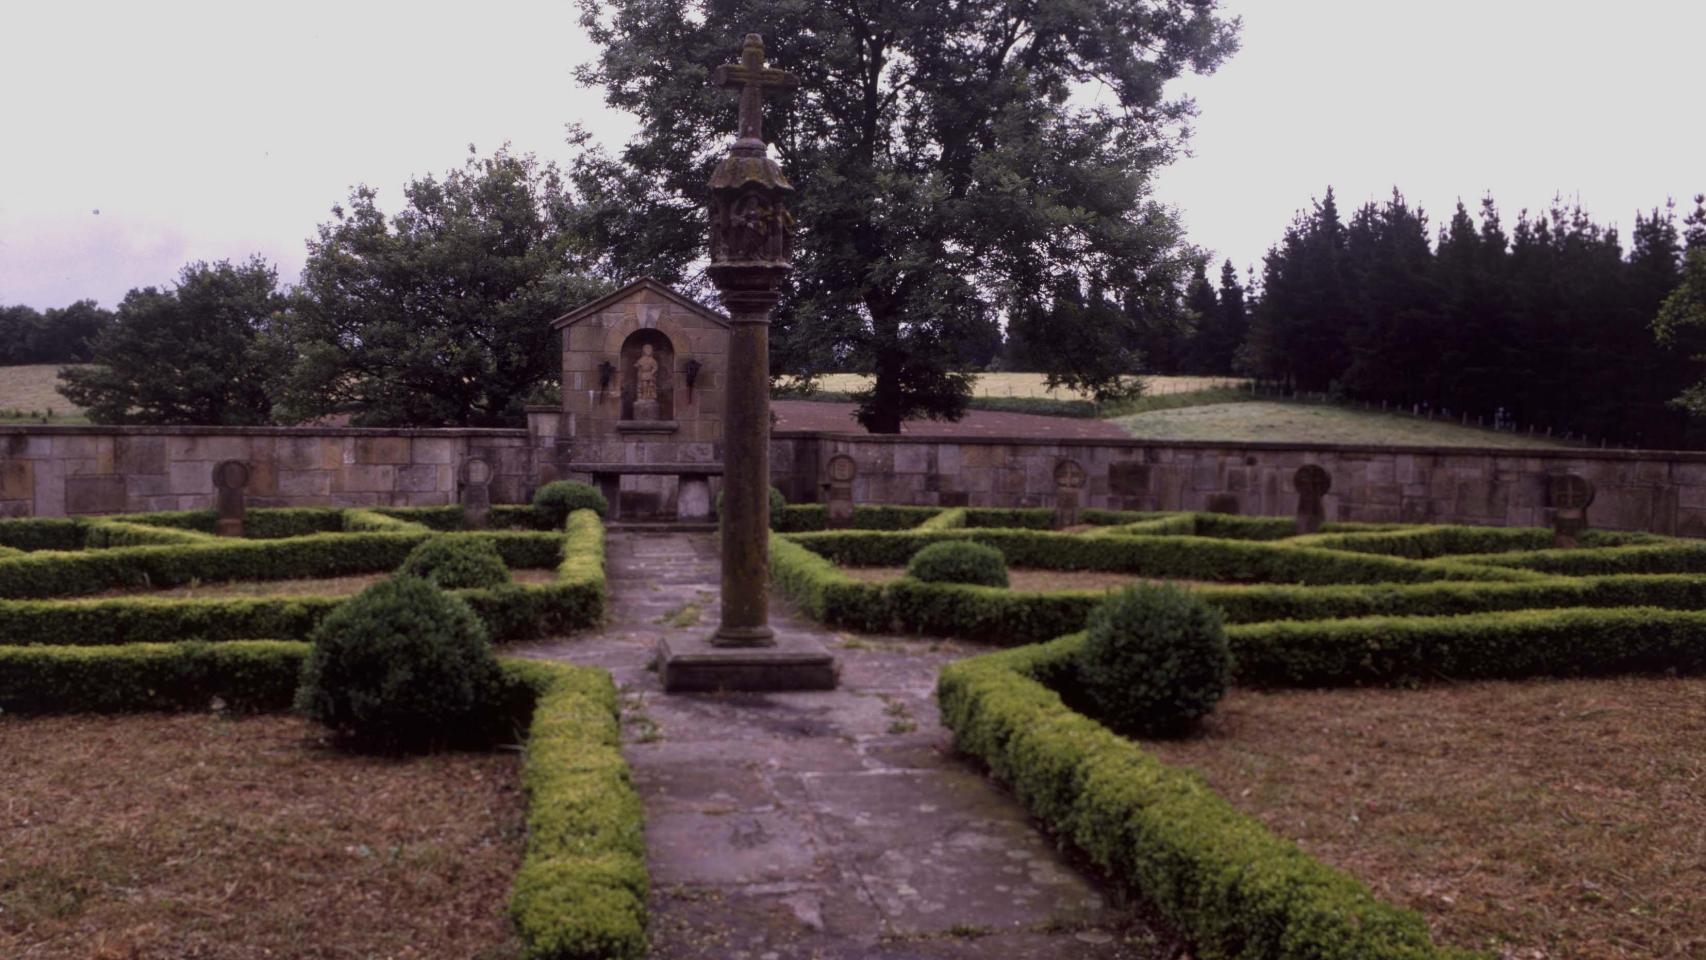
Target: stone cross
[
  {"x": 1068, "y": 481},
  {"x": 229, "y": 479},
  {"x": 1312, "y": 483},
  {"x": 842, "y": 470},
  {"x": 1570, "y": 497},
  {"x": 752, "y": 78},
  {"x": 751, "y": 244},
  {"x": 476, "y": 493}
]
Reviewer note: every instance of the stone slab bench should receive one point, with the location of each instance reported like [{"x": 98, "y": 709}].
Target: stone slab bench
[{"x": 693, "y": 502}]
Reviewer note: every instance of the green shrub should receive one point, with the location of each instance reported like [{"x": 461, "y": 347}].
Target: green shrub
[
  {"x": 372, "y": 521},
  {"x": 455, "y": 563},
  {"x": 555, "y": 501},
  {"x": 1154, "y": 661},
  {"x": 42, "y": 533},
  {"x": 401, "y": 665},
  {"x": 959, "y": 562},
  {"x": 778, "y": 508}
]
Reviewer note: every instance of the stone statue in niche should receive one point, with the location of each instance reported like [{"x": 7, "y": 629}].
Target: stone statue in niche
[{"x": 646, "y": 374}]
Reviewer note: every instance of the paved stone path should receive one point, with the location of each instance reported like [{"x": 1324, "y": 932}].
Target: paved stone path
[{"x": 829, "y": 826}]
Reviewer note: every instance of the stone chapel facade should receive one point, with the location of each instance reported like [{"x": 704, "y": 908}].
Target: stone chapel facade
[{"x": 642, "y": 414}]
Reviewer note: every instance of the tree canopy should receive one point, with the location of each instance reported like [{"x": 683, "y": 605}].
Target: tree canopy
[
  {"x": 439, "y": 315},
  {"x": 55, "y": 335},
  {"x": 195, "y": 353},
  {"x": 956, "y": 163}
]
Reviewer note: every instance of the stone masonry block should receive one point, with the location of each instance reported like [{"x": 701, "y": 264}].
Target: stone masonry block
[
  {"x": 190, "y": 476},
  {"x": 364, "y": 478},
  {"x": 141, "y": 455},
  {"x": 17, "y": 480},
  {"x": 433, "y": 450},
  {"x": 96, "y": 494},
  {"x": 372, "y": 450}
]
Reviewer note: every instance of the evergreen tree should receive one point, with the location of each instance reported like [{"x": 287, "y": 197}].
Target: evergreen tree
[
  {"x": 193, "y": 354},
  {"x": 1203, "y": 308},
  {"x": 1695, "y": 224},
  {"x": 1396, "y": 333},
  {"x": 1682, "y": 320},
  {"x": 946, "y": 174}
]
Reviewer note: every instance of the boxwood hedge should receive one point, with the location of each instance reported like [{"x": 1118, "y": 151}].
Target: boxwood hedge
[
  {"x": 580, "y": 892},
  {"x": 1220, "y": 878}
]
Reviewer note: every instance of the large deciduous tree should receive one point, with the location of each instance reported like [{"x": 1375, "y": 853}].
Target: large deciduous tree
[
  {"x": 439, "y": 315},
  {"x": 956, "y": 163},
  {"x": 195, "y": 353}
]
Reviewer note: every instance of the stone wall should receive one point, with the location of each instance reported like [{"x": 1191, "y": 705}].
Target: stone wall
[
  {"x": 1663, "y": 492},
  {"x": 55, "y": 471},
  {"x": 58, "y": 471}
]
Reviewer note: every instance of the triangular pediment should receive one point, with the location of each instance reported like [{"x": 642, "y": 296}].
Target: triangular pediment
[{"x": 644, "y": 285}]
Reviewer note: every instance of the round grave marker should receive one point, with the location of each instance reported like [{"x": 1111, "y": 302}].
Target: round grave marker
[
  {"x": 1068, "y": 474},
  {"x": 231, "y": 475}
]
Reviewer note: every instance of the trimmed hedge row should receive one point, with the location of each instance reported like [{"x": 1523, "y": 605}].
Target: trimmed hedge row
[
  {"x": 1012, "y": 617},
  {"x": 511, "y": 612},
  {"x": 581, "y": 890},
  {"x": 807, "y": 517},
  {"x": 249, "y": 676},
  {"x": 1484, "y": 646},
  {"x": 954, "y": 519},
  {"x": 372, "y": 521},
  {"x": 1195, "y": 558},
  {"x": 1424, "y": 543},
  {"x": 42, "y": 533},
  {"x": 1220, "y": 878},
  {"x": 115, "y": 533},
  {"x": 1676, "y": 556},
  {"x": 53, "y": 573}
]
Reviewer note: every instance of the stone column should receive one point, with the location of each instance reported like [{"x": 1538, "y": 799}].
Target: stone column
[
  {"x": 751, "y": 249},
  {"x": 1068, "y": 481},
  {"x": 476, "y": 495},
  {"x": 842, "y": 470},
  {"x": 229, "y": 479},
  {"x": 1312, "y": 483}
]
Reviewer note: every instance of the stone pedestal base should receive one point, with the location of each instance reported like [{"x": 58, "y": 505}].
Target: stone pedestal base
[
  {"x": 693, "y": 499},
  {"x": 693, "y": 665}
]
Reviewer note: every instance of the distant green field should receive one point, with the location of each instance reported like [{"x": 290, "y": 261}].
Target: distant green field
[
  {"x": 1259, "y": 420},
  {"x": 27, "y": 394},
  {"x": 1033, "y": 385}
]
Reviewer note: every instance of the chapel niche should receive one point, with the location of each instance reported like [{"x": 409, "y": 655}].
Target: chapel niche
[{"x": 635, "y": 405}]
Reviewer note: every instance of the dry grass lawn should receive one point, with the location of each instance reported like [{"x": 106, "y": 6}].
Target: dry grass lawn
[
  {"x": 1262, "y": 420},
  {"x": 1031, "y": 580},
  {"x": 30, "y": 388},
  {"x": 304, "y": 587},
  {"x": 173, "y": 837},
  {"x": 1551, "y": 819}
]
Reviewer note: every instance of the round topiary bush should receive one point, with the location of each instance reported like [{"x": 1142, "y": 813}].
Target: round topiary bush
[
  {"x": 456, "y": 563},
  {"x": 400, "y": 666},
  {"x": 959, "y": 561},
  {"x": 778, "y": 503},
  {"x": 1155, "y": 660},
  {"x": 556, "y": 500}
]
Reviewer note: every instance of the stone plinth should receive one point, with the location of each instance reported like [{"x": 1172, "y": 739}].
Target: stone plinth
[{"x": 791, "y": 662}]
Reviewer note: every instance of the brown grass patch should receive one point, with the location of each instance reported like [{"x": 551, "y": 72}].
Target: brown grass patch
[
  {"x": 305, "y": 587},
  {"x": 1027, "y": 579},
  {"x": 1555, "y": 819},
  {"x": 191, "y": 836}
]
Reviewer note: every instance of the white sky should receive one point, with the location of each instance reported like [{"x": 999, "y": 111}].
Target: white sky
[{"x": 209, "y": 130}]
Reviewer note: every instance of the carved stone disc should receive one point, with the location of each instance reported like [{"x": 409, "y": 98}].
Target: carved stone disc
[
  {"x": 842, "y": 468},
  {"x": 1570, "y": 492},
  {"x": 1312, "y": 480},
  {"x": 1068, "y": 474},
  {"x": 231, "y": 475},
  {"x": 476, "y": 472}
]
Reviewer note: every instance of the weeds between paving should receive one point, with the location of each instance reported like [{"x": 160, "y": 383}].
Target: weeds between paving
[
  {"x": 1556, "y": 819},
  {"x": 153, "y": 837}
]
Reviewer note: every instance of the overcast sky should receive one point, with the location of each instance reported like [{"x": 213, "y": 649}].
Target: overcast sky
[{"x": 140, "y": 136}]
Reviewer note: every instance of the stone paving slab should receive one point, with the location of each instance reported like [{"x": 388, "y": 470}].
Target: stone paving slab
[{"x": 825, "y": 826}]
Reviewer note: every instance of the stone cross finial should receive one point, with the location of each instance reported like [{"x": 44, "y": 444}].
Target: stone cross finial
[{"x": 751, "y": 77}]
